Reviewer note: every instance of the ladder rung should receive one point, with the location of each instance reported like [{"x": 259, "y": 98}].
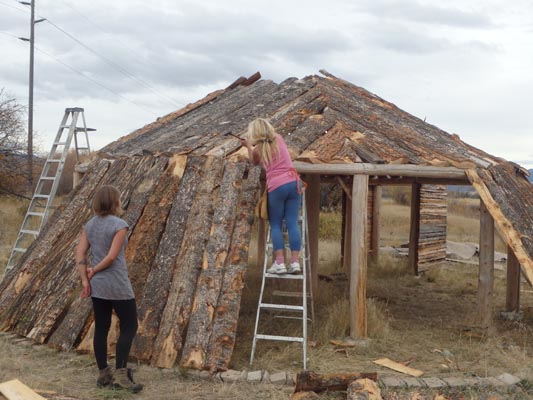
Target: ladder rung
[
  {"x": 283, "y": 307},
  {"x": 20, "y": 250},
  {"x": 83, "y": 148},
  {"x": 36, "y": 214},
  {"x": 42, "y": 196},
  {"x": 281, "y": 338},
  {"x": 54, "y": 160},
  {"x": 48, "y": 178},
  {"x": 284, "y": 276},
  {"x": 282, "y": 293},
  {"x": 29, "y": 232},
  {"x": 60, "y": 143}
]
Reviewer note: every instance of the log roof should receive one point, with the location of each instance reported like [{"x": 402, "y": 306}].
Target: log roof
[{"x": 189, "y": 194}]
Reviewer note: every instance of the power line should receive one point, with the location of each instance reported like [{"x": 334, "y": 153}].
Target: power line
[
  {"x": 13, "y": 7},
  {"x": 94, "y": 81},
  {"x": 112, "y": 64}
]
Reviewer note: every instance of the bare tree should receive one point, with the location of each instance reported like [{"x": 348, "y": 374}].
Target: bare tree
[{"x": 13, "y": 158}]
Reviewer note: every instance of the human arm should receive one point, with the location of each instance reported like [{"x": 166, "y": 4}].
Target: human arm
[
  {"x": 81, "y": 262},
  {"x": 253, "y": 154}
]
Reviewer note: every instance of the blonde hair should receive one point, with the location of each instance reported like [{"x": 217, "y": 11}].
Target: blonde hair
[
  {"x": 107, "y": 201},
  {"x": 262, "y": 134}
]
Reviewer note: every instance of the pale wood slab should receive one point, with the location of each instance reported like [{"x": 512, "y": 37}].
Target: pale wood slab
[
  {"x": 16, "y": 390},
  {"x": 386, "y": 362}
]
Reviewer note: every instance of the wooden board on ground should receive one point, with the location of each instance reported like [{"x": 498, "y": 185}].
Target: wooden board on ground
[
  {"x": 16, "y": 390},
  {"x": 386, "y": 362}
]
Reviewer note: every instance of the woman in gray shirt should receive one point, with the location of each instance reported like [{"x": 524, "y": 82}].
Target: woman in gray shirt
[{"x": 106, "y": 281}]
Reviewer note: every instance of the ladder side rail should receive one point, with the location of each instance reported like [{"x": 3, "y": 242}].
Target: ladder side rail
[
  {"x": 86, "y": 133},
  {"x": 304, "y": 282},
  {"x": 265, "y": 261},
  {"x": 61, "y": 165}
]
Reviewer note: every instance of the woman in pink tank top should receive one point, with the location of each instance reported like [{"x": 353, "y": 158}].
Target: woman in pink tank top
[{"x": 268, "y": 148}]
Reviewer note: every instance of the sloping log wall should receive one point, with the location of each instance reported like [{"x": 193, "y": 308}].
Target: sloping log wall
[{"x": 186, "y": 257}]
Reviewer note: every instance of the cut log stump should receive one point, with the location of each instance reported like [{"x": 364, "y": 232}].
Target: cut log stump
[
  {"x": 363, "y": 389},
  {"x": 310, "y": 381}
]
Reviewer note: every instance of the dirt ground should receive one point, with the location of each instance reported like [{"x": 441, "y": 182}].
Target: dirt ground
[{"x": 425, "y": 322}]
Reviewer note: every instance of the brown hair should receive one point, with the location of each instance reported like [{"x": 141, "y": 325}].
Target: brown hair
[{"x": 107, "y": 201}]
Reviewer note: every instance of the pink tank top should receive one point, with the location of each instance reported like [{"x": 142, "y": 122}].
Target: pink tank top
[{"x": 280, "y": 171}]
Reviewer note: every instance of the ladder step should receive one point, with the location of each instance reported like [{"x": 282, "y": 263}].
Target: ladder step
[
  {"x": 284, "y": 276},
  {"x": 60, "y": 143},
  {"x": 54, "y": 160},
  {"x": 20, "y": 250},
  {"x": 41, "y": 196},
  {"x": 281, "y": 293},
  {"x": 47, "y": 178},
  {"x": 283, "y": 307},
  {"x": 281, "y": 338},
  {"x": 29, "y": 232},
  {"x": 36, "y": 214},
  {"x": 83, "y": 148}
]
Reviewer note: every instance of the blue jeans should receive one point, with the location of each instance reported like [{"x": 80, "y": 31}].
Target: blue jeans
[{"x": 284, "y": 202}]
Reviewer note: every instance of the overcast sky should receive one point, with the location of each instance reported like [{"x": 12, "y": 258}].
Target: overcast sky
[{"x": 464, "y": 65}]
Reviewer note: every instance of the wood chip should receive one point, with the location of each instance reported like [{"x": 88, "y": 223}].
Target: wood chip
[{"x": 396, "y": 366}]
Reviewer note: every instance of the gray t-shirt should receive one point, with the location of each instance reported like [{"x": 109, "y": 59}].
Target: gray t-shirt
[{"x": 113, "y": 282}]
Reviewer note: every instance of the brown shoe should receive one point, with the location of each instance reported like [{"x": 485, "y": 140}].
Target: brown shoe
[
  {"x": 124, "y": 380},
  {"x": 105, "y": 377}
]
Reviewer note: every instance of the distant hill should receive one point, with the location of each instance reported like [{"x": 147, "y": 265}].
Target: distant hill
[{"x": 530, "y": 175}]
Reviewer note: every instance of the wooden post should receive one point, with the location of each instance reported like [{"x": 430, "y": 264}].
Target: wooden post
[
  {"x": 486, "y": 266},
  {"x": 414, "y": 230},
  {"x": 512, "y": 302},
  {"x": 376, "y": 206},
  {"x": 312, "y": 197},
  {"x": 358, "y": 265}
]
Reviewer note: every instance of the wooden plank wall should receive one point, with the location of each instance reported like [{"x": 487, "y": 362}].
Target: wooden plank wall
[{"x": 432, "y": 236}]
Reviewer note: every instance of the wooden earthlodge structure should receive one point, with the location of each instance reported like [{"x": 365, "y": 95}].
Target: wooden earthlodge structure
[{"x": 189, "y": 194}]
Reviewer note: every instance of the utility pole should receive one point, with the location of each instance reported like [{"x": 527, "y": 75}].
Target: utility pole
[{"x": 30, "y": 96}]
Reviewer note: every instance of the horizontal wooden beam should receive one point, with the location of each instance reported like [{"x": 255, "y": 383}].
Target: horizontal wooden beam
[{"x": 407, "y": 170}]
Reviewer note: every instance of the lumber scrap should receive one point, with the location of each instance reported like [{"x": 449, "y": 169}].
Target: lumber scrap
[
  {"x": 363, "y": 389},
  {"x": 158, "y": 281},
  {"x": 211, "y": 275},
  {"x": 396, "y": 366},
  {"x": 304, "y": 396},
  {"x": 309, "y": 381},
  {"x": 16, "y": 390},
  {"x": 175, "y": 317},
  {"x": 222, "y": 340}
]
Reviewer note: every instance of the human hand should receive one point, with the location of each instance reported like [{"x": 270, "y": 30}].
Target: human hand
[
  {"x": 90, "y": 273},
  {"x": 86, "y": 291}
]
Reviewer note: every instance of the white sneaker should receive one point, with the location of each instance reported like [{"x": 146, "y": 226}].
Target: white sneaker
[
  {"x": 294, "y": 268},
  {"x": 277, "y": 269}
]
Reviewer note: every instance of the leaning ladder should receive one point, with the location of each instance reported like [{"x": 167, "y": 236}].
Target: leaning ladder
[
  {"x": 288, "y": 310},
  {"x": 46, "y": 188}
]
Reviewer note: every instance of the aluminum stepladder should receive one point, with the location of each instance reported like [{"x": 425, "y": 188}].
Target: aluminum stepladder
[
  {"x": 288, "y": 310},
  {"x": 46, "y": 188}
]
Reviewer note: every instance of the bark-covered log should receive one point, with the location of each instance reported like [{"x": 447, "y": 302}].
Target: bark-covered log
[
  {"x": 177, "y": 310},
  {"x": 222, "y": 340},
  {"x": 145, "y": 239},
  {"x": 210, "y": 279},
  {"x": 311, "y": 381},
  {"x": 157, "y": 286}
]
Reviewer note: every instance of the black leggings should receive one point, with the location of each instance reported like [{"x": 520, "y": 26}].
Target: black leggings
[{"x": 126, "y": 311}]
